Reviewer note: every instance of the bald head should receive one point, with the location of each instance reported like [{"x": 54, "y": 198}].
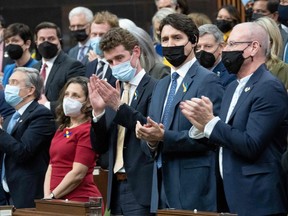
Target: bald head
[{"x": 250, "y": 31}]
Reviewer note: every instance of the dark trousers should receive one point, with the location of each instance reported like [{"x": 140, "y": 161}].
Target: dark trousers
[{"x": 124, "y": 203}]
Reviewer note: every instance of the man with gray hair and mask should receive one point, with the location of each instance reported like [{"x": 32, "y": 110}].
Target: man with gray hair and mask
[
  {"x": 25, "y": 139},
  {"x": 251, "y": 129},
  {"x": 208, "y": 52}
]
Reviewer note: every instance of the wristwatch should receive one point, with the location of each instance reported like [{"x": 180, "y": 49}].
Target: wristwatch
[{"x": 52, "y": 195}]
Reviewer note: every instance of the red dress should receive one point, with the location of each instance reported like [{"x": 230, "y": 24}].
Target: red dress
[{"x": 68, "y": 146}]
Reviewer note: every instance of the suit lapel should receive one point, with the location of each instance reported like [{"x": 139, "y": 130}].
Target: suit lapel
[
  {"x": 247, "y": 89},
  {"x": 24, "y": 116},
  {"x": 182, "y": 90},
  {"x": 162, "y": 87},
  {"x": 229, "y": 94},
  {"x": 54, "y": 70},
  {"x": 139, "y": 91}
]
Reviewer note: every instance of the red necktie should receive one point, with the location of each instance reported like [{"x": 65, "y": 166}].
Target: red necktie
[{"x": 43, "y": 72}]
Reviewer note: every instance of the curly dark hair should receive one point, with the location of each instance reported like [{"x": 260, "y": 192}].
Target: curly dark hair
[{"x": 64, "y": 121}]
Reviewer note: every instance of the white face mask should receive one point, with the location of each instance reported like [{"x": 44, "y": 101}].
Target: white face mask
[{"x": 71, "y": 107}]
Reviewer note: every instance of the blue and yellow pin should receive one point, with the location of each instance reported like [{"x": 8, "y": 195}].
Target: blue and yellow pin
[
  {"x": 67, "y": 134},
  {"x": 185, "y": 86}
]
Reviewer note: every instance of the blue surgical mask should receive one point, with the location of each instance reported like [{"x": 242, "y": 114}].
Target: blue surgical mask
[
  {"x": 95, "y": 44},
  {"x": 12, "y": 95},
  {"x": 124, "y": 71}
]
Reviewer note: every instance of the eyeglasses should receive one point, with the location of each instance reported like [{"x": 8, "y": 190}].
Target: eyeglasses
[
  {"x": 235, "y": 43},
  {"x": 77, "y": 27}
]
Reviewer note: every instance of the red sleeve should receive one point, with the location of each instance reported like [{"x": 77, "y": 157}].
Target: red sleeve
[{"x": 84, "y": 152}]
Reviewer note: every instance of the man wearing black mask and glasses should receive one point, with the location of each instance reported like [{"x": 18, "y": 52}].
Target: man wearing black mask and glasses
[
  {"x": 180, "y": 163},
  {"x": 80, "y": 19},
  {"x": 208, "y": 52},
  {"x": 251, "y": 129}
]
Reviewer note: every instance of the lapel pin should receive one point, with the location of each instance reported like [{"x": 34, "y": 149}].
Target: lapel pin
[
  {"x": 247, "y": 89},
  {"x": 184, "y": 85},
  {"x": 136, "y": 95}
]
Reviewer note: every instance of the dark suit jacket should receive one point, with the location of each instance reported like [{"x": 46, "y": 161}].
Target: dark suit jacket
[
  {"x": 188, "y": 166},
  {"x": 91, "y": 69},
  {"x": 62, "y": 70},
  {"x": 73, "y": 53},
  {"x": 27, "y": 154},
  {"x": 5, "y": 109},
  {"x": 253, "y": 141},
  {"x": 138, "y": 165},
  {"x": 159, "y": 70},
  {"x": 221, "y": 71}
]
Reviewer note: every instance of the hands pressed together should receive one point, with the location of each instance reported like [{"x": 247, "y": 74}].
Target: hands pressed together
[{"x": 199, "y": 111}]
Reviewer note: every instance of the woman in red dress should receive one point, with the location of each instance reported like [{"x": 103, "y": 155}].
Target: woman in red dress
[{"x": 72, "y": 160}]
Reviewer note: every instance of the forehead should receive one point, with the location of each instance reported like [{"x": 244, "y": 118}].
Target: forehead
[
  {"x": 14, "y": 38},
  {"x": 18, "y": 75},
  {"x": 117, "y": 51},
  {"x": 102, "y": 27},
  {"x": 168, "y": 30},
  {"x": 239, "y": 33},
  {"x": 78, "y": 19},
  {"x": 224, "y": 13},
  {"x": 47, "y": 32},
  {"x": 75, "y": 88},
  {"x": 207, "y": 39},
  {"x": 260, "y": 5}
]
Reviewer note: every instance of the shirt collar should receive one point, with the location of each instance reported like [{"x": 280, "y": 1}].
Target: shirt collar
[
  {"x": 24, "y": 107},
  {"x": 137, "y": 79},
  {"x": 244, "y": 80},
  {"x": 50, "y": 62},
  {"x": 182, "y": 71},
  {"x": 87, "y": 44}
]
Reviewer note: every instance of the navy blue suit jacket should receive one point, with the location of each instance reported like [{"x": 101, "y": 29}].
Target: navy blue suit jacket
[
  {"x": 73, "y": 53},
  {"x": 91, "y": 69},
  {"x": 138, "y": 165},
  {"x": 27, "y": 154},
  {"x": 253, "y": 141},
  {"x": 221, "y": 71},
  {"x": 188, "y": 166}
]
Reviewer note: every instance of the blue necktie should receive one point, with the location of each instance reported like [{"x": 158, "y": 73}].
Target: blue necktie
[
  {"x": 81, "y": 54},
  {"x": 10, "y": 127},
  {"x": 167, "y": 109},
  {"x": 286, "y": 54}
]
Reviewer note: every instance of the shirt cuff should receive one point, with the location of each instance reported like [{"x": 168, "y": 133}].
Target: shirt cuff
[
  {"x": 96, "y": 118},
  {"x": 194, "y": 133},
  {"x": 210, "y": 126}
]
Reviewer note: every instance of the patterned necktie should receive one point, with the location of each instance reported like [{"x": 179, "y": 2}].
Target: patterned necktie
[
  {"x": 121, "y": 133},
  {"x": 167, "y": 109},
  {"x": 10, "y": 127},
  {"x": 81, "y": 54},
  {"x": 100, "y": 70}
]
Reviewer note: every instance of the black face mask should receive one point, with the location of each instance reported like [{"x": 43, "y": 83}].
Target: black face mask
[
  {"x": 224, "y": 25},
  {"x": 255, "y": 16},
  {"x": 14, "y": 51},
  {"x": 79, "y": 35},
  {"x": 175, "y": 55},
  {"x": 206, "y": 59},
  {"x": 283, "y": 14},
  {"x": 48, "y": 50},
  {"x": 248, "y": 14},
  {"x": 233, "y": 60}
]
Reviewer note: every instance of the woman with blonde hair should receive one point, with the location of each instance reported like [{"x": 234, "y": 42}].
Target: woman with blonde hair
[{"x": 274, "y": 64}]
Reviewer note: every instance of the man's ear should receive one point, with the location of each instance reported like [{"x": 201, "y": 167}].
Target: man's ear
[{"x": 137, "y": 51}]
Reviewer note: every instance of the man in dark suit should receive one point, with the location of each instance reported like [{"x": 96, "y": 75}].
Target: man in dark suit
[
  {"x": 208, "y": 52},
  {"x": 183, "y": 167},
  {"x": 251, "y": 128},
  {"x": 26, "y": 144},
  {"x": 102, "y": 23},
  {"x": 130, "y": 170},
  {"x": 56, "y": 67},
  {"x": 80, "y": 19}
]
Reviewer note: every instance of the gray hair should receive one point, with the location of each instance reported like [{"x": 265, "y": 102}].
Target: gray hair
[
  {"x": 173, "y": 1},
  {"x": 82, "y": 10},
  {"x": 211, "y": 29},
  {"x": 148, "y": 56},
  {"x": 127, "y": 24},
  {"x": 32, "y": 79},
  {"x": 158, "y": 17}
]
